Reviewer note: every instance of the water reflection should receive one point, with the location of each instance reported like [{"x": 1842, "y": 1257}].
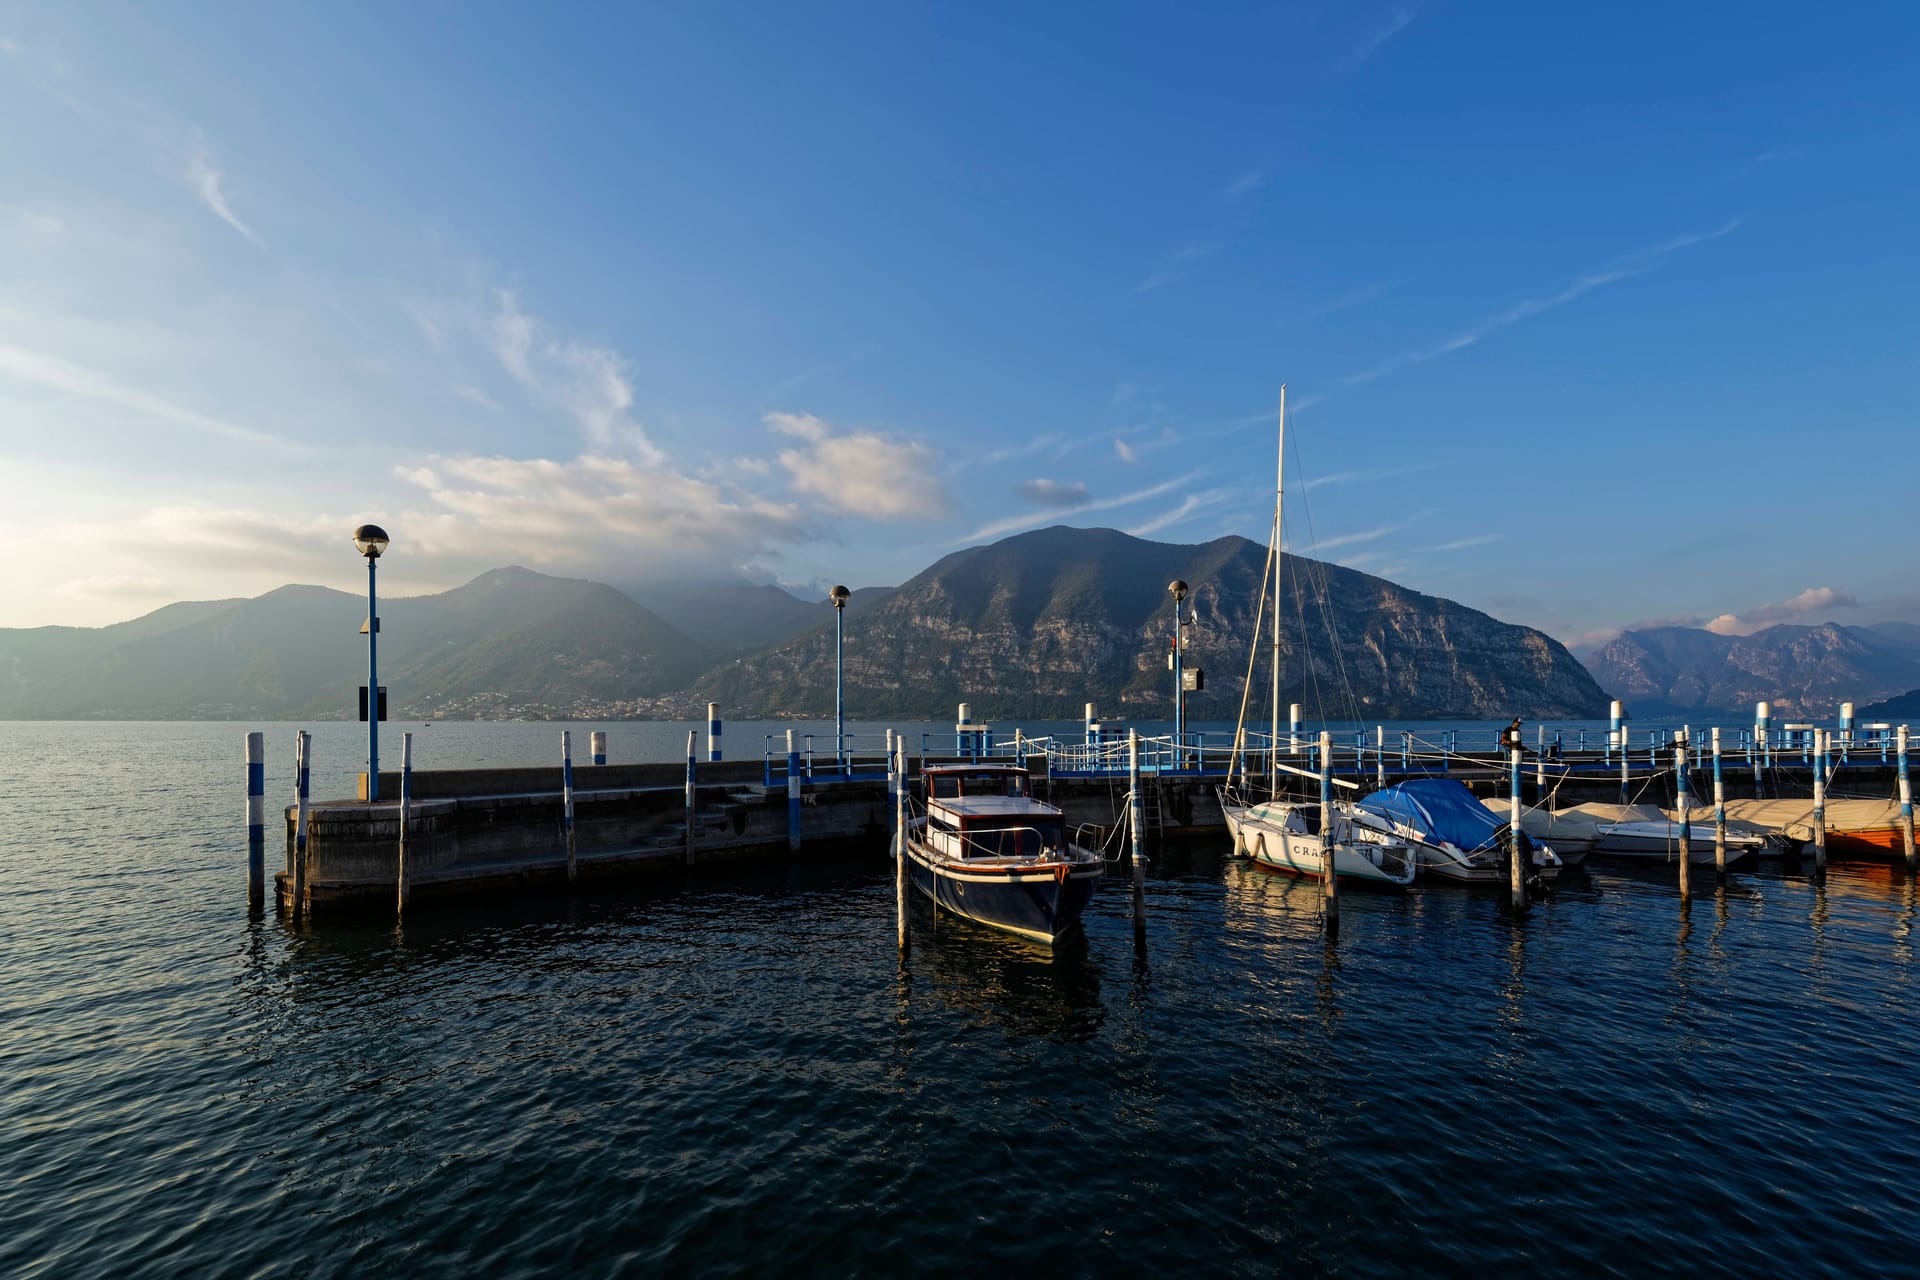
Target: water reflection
[{"x": 1024, "y": 986}]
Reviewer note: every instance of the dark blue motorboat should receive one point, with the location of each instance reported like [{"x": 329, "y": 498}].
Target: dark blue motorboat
[
  {"x": 1452, "y": 834},
  {"x": 987, "y": 850}
]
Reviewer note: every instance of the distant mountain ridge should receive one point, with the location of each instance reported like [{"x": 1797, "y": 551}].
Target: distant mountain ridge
[
  {"x": 1035, "y": 625},
  {"x": 1802, "y": 670},
  {"x": 1041, "y": 623}
]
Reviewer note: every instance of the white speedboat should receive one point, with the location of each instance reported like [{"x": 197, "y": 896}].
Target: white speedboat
[
  {"x": 1285, "y": 835},
  {"x": 1660, "y": 842}
]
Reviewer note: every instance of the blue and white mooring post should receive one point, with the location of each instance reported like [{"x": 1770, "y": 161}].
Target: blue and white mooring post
[
  {"x": 793, "y": 795},
  {"x": 839, "y": 597},
  {"x": 1293, "y": 728},
  {"x": 1846, "y": 730},
  {"x": 1820, "y": 799},
  {"x": 597, "y": 745},
  {"x": 893, "y": 778},
  {"x": 1517, "y": 833},
  {"x": 1762, "y": 722},
  {"x": 1329, "y": 869},
  {"x": 1093, "y": 727},
  {"x": 301, "y": 750},
  {"x": 692, "y": 796},
  {"x": 1683, "y": 803},
  {"x": 713, "y": 732},
  {"x": 1613, "y": 728},
  {"x": 1719, "y": 811},
  {"x": 566, "y": 798},
  {"x": 256, "y": 812},
  {"x": 1906, "y": 794},
  {"x": 402, "y": 888}
]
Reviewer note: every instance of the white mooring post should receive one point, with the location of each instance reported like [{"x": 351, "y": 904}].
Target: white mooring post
[
  {"x": 401, "y": 886},
  {"x": 1517, "y": 830},
  {"x": 1329, "y": 874},
  {"x": 566, "y": 799},
  {"x": 1820, "y": 799},
  {"x": 256, "y": 813},
  {"x": 1293, "y": 728},
  {"x": 692, "y": 797},
  {"x": 1614, "y": 716},
  {"x": 1683, "y": 803},
  {"x": 1763, "y": 733},
  {"x": 899, "y": 771},
  {"x": 1624, "y": 766},
  {"x": 1136, "y": 819},
  {"x": 1379, "y": 755},
  {"x": 713, "y": 732},
  {"x": 1539, "y": 763},
  {"x": 1846, "y": 730},
  {"x": 1906, "y": 796},
  {"x": 893, "y": 776},
  {"x": 597, "y": 745},
  {"x": 300, "y": 777},
  {"x": 1719, "y": 811}
]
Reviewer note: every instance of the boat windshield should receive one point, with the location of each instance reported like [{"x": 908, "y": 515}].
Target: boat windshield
[
  {"x": 1023, "y": 840},
  {"x": 951, "y": 786}
]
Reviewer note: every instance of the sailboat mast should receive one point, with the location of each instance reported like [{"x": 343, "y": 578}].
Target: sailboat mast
[{"x": 1279, "y": 498}]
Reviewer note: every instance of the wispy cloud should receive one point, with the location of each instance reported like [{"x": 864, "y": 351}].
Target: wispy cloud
[
  {"x": 52, "y": 373},
  {"x": 1177, "y": 266},
  {"x": 1355, "y": 477},
  {"x": 1192, "y": 503},
  {"x": 1339, "y": 302},
  {"x": 1396, "y": 21},
  {"x": 1013, "y": 523},
  {"x": 1461, "y": 544},
  {"x": 1248, "y": 180},
  {"x": 1624, "y": 268},
  {"x": 1369, "y": 535},
  {"x": 1053, "y": 493},
  {"x": 1773, "y": 156},
  {"x": 1125, "y": 451},
  {"x": 1029, "y": 449},
  {"x": 476, "y": 396},
  {"x": 209, "y": 184},
  {"x": 586, "y": 381}
]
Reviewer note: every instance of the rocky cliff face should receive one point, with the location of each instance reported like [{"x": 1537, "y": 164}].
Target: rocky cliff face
[
  {"x": 1044, "y": 622},
  {"x": 1803, "y": 671}
]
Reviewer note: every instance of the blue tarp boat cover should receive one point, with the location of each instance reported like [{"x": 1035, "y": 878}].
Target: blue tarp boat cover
[{"x": 1442, "y": 811}]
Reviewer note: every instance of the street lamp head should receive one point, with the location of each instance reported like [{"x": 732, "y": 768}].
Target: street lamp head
[
  {"x": 371, "y": 539},
  {"x": 839, "y": 597},
  {"x": 1178, "y": 589}
]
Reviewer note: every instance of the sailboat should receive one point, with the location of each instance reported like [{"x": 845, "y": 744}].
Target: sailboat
[{"x": 1280, "y": 832}]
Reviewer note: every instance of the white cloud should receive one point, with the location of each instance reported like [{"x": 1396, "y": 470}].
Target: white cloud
[
  {"x": 586, "y": 381},
  {"x": 1053, "y": 493},
  {"x": 1807, "y": 605},
  {"x": 1174, "y": 269},
  {"x": 1396, "y": 22},
  {"x": 862, "y": 473},
  {"x": 1250, "y": 180},
  {"x": 1125, "y": 451},
  {"x": 476, "y": 396},
  {"x": 1192, "y": 503},
  {"x": 207, "y": 183}
]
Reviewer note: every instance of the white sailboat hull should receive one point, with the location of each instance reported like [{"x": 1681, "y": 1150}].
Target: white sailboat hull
[{"x": 1266, "y": 838}]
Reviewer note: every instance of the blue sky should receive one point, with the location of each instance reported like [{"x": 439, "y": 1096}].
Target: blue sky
[{"x": 1590, "y": 315}]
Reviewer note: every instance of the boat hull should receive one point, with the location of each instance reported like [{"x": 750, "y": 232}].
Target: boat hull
[
  {"x": 1040, "y": 903},
  {"x": 1659, "y": 845},
  {"x": 1298, "y": 853}
]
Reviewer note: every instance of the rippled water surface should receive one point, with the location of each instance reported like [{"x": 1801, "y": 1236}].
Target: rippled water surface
[{"x": 735, "y": 1075}]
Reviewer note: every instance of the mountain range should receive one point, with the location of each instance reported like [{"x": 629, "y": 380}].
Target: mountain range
[
  {"x": 1036, "y": 625},
  {"x": 1802, "y": 670}
]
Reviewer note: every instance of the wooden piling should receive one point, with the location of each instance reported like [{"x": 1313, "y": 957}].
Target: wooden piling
[
  {"x": 1329, "y": 876},
  {"x": 1517, "y": 835},
  {"x": 1681, "y": 802},
  {"x": 401, "y": 885},
  {"x": 300, "y": 777},
  {"x": 1136, "y": 820},
  {"x": 1719, "y": 811},
  {"x": 566, "y": 800},
  {"x": 897, "y": 768},
  {"x": 256, "y": 759},
  {"x": 1906, "y": 796},
  {"x": 1819, "y": 799}
]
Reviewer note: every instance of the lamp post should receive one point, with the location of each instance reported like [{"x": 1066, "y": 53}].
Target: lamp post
[
  {"x": 839, "y": 597},
  {"x": 371, "y": 540},
  {"x": 1178, "y": 590}
]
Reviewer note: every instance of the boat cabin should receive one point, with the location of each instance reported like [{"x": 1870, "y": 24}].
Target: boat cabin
[{"x": 988, "y": 811}]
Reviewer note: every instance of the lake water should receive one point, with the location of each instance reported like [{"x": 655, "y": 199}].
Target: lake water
[{"x": 735, "y": 1074}]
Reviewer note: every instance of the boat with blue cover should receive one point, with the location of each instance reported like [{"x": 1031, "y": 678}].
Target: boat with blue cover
[
  {"x": 986, "y": 849},
  {"x": 1453, "y": 835}
]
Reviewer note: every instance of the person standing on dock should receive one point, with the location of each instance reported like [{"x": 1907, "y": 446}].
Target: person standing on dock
[{"x": 1511, "y": 738}]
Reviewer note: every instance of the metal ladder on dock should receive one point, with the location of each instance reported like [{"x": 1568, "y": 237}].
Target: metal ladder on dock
[{"x": 1150, "y": 812}]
